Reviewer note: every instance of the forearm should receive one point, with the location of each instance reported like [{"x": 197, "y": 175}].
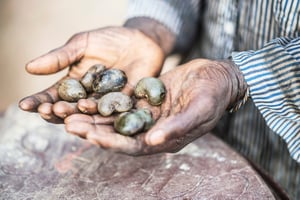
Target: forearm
[
  {"x": 160, "y": 17},
  {"x": 159, "y": 33}
]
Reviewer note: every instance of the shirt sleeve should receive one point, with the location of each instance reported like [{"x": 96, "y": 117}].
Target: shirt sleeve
[
  {"x": 181, "y": 17},
  {"x": 273, "y": 74}
]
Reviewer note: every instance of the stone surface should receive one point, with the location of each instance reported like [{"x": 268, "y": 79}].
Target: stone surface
[{"x": 39, "y": 160}]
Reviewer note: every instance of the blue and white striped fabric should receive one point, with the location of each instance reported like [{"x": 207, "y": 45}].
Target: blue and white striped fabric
[
  {"x": 262, "y": 36},
  {"x": 273, "y": 74}
]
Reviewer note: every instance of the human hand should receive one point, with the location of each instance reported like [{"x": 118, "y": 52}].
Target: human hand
[
  {"x": 115, "y": 47},
  {"x": 198, "y": 93}
]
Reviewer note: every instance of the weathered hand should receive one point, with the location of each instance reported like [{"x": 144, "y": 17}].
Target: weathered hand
[
  {"x": 116, "y": 47},
  {"x": 198, "y": 94}
]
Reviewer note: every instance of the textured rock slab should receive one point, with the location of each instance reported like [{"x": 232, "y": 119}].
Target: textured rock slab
[{"x": 39, "y": 160}]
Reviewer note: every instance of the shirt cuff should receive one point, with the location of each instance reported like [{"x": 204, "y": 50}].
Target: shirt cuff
[{"x": 273, "y": 76}]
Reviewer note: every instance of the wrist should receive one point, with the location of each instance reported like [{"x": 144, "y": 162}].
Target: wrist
[
  {"x": 239, "y": 87},
  {"x": 156, "y": 31}
]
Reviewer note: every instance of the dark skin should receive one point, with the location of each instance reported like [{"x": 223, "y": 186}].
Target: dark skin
[
  {"x": 192, "y": 108},
  {"x": 115, "y": 47},
  {"x": 203, "y": 91}
]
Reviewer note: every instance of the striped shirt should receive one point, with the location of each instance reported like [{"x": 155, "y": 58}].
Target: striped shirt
[{"x": 262, "y": 36}]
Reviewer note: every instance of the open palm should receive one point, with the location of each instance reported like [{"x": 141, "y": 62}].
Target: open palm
[
  {"x": 115, "y": 47},
  {"x": 198, "y": 94}
]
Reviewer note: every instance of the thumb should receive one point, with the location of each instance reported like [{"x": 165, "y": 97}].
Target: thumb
[
  {"x": 59, "y": 58},
  {"x": 166, "y": 129}
]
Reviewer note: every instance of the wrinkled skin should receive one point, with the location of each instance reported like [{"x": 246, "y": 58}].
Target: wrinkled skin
[
  {"x": 193, "y": 106},
  {"x": 114, "y": 47}
]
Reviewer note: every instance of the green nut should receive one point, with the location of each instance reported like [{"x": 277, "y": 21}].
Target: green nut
[
  {"x": 152, "y": 89},
  {"x": 145, "y": 114},
  {"x": 128, "y": 123},
  {"x": 131, "y": 123}
]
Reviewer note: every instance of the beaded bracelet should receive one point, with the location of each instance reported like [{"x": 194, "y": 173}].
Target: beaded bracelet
[{"x": 241, "y": 102}]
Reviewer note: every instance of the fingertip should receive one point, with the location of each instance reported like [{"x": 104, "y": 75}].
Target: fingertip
[
  {"x": 78, "y": 128},
  {"x": 92, "y": 139},
  {"x": 27, "y": 104},
  {"x": 45, "y": 111},
  {"x": 28, "y": 66},
  {"x": 68, "y": 125},
  {"x": 78, "y": 118},
  {"x": 45, "y": 108},
  {"x": 156, "y": 137},
  {"x": 49, "y": 63},
  {"x": 64, "y": 109},
  {"x": 87, "y": 106},
  {"x": 35, "y": 67}
]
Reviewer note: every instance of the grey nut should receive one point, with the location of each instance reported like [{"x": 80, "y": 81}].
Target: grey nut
[
  {"x": 89, "y": 77},
  {"x": 114, "y": 102},
  {"x": 71, "y": 90},
  {"x": 153, "y": 89},
  {"x": 110, "y": 80},
  {"x": 131, "y": 123},
  {"x": 128, "y": 123},
  {"x": 146, "y": 115}
]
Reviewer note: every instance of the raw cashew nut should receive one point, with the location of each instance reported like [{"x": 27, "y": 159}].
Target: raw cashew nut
[
  {"x": 110, "y": 80},
  {"x": 114, "y": 102},
  {"x": 128, "y": 123},
  {"x": 71, "y": 90},
  {"x": 89, "y": 77},
  {"x": 136, "y": 121},
  {"x": 152, "y": 89}
]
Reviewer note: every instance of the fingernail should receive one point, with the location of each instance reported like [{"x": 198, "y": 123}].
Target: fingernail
[
  {"x": 156, "y": 138},
  {"x": 69, "y": 128},
  {"x": 26, "y": 104}
]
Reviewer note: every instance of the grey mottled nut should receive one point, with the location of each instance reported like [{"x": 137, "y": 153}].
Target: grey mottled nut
[
  {"x": 152, "y": 89},
  {"x": 131, "y": 123},
  {"x": 110, "y": 80},
  {"x": 71, "y": 90},
  {"x": 146, "y": 115},
  {"x": 128, "y": 123},
  {"x": 89, "y": 77},
  {"x": 114, "y": 102}
]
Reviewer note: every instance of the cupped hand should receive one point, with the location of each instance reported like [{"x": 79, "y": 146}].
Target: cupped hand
[
  {"x": 115, "y": 47},
  {"x": 198, "y": 94}
]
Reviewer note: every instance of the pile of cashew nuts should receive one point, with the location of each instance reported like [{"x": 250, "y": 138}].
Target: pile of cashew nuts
[{"x": 107, "y": 84}]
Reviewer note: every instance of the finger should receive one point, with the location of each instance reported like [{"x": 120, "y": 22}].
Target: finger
[
  {"x": 79, "y": 128},
  {"x": 101, "y": 135},
  {"x": 92, "y": 119},
  {"x": 59, "y": 58},
  {"x": 45, "y": 111},
  {"x": 106, "y": 137},
  {"x": 32, "y": 102},
  {"x": 169, "y": 128},
  {"x": 201, "y": 116},
  {"x": 144, "y": 104},
  {"x": 63, "y": 109},
  {"x": 83, "y": 127},
  {"x": 128, "y": 89},
  {"x": 87, "y": 106}
]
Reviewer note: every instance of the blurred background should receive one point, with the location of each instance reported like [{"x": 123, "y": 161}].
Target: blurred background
[{"x": 29, "y": 28}]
